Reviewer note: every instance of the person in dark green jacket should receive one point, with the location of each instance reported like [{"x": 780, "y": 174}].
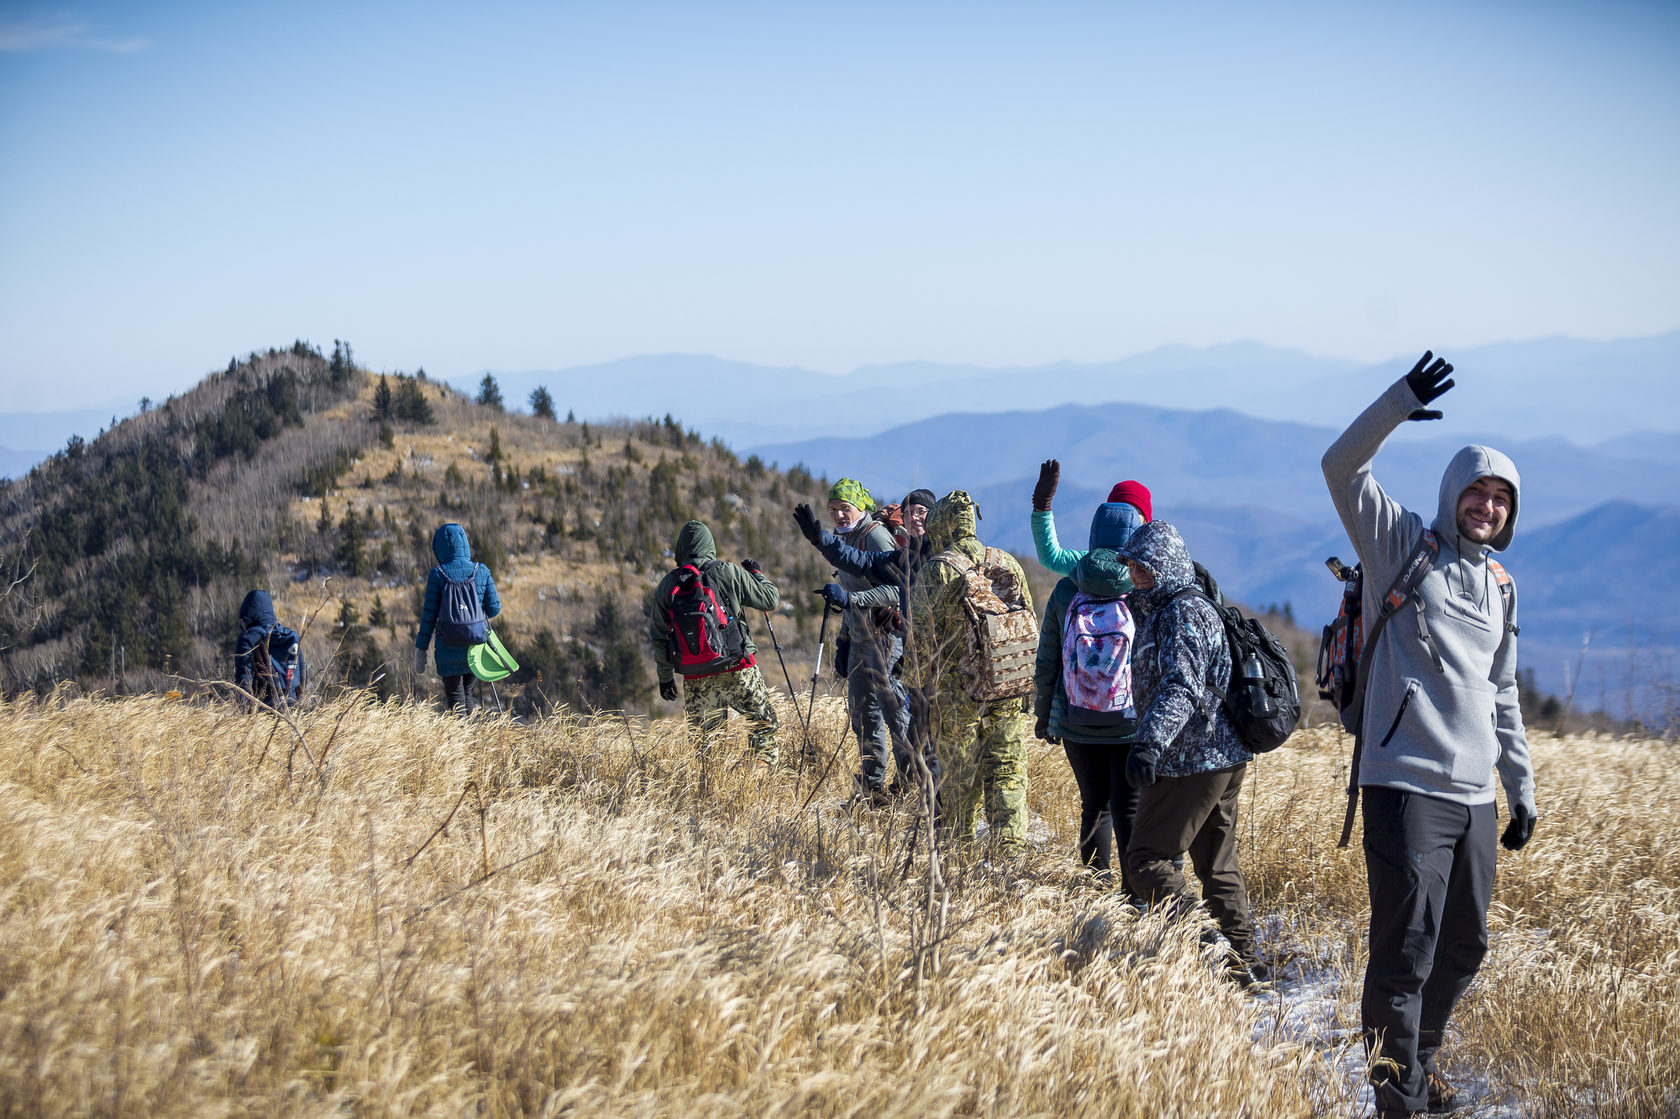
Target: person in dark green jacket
[
  {"x": 1096, "y": 732},
  {"x": 707, "y": 699}
]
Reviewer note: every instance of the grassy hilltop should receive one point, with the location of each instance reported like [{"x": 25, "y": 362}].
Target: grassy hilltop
[{"x": 388, "y": 912}]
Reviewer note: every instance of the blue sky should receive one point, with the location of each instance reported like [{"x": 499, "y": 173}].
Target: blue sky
[{"x": 513, "y": 187}]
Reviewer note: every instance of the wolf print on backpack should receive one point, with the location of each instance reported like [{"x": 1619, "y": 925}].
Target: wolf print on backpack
[
  {"x": 703, "y": 639},
  {"x": 1097, "y": 661},
  {"x": 1002, "y": 638},
  {"x": 460, "y": 618}
]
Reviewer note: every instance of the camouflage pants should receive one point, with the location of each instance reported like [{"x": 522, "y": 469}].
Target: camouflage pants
[
  {"x": 707, "y": 701},
  {"x": 983, "y": 763}
]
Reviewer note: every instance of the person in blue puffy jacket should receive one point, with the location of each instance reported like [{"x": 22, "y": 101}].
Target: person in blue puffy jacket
[{"x": 455, "y": 562}]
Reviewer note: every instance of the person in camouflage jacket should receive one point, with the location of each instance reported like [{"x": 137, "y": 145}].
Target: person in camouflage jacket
[
  {"x": 1187, "y": 760},
  {"x": 980, "y": 746}
]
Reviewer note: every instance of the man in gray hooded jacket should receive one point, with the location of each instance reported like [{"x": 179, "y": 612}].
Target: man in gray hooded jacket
[{"x": 1440, "y": 719}]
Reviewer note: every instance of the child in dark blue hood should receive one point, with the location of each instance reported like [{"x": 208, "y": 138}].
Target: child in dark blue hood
[
  {"x": 266, "y": 658},
  {"x": 455, "y": 563}
]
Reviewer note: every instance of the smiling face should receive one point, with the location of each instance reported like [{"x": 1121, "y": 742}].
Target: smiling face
[
  {"x": 915, "y": 519},
  {"x": 844, "y": 514},
  {"x": 1483, "y": 509},
  {"x": 1142, "y": 578}
]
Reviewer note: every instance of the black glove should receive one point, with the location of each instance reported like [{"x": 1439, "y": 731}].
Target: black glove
[
  {"x": 1140, "y": 767},
  {"x": 1428, "y": 382},
  {"x": 1048, "y": 475},
  {"x": 842, "y": 656},
  {"x": 752, "y": 566},
  {"x": 809, "y": 526},
  {"x": 1521, "y": 828},
  {"x": 835, "y": 595},
  {"x": 1041, "y": 731},
  {"x": 668, "y": 690}
]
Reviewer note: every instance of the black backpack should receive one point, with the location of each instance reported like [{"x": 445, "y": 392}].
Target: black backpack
[
  {"x": 460, "y": 617},
  {"x": 1262, "y": 698},
  {"x": 278, "y": 671}
]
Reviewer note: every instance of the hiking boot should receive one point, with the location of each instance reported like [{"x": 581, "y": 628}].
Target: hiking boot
[
  {"x": 867, "y": 796},
  {"x": 1443, "y": 1098},
  {"x": 1252, "y": 976}
]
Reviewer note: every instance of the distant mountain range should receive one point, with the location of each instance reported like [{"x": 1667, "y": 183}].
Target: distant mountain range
[{"x": 1598, "y": 533}]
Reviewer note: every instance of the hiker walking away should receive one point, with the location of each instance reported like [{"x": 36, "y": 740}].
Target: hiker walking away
[
  {"x": 267, "y": 657},
  {"x": 460, "y": 601},
  {"x": 698, "y": 628},
  {"x": 1051, "y": 555},
  {"x": 897, "y": 569},
  {"x": 1440, "y": 719},
  {"x": 974, "y": 690},
  {"x": 1082, "y": 685},
  {"x": 1187, "y": 758},
  {"x": 869, "y": 647}
]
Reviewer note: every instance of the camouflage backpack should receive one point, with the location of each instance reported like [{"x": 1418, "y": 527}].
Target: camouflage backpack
[{"x": 1001, "y": 649}]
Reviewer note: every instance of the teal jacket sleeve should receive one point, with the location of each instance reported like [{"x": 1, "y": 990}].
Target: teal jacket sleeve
[{"x": 1051, "y": 554}]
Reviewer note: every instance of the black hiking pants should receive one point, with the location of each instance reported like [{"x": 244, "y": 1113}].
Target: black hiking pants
[
  {"x": 1107, "y": 801},
  {"x": 1194, "y": 815},
  {"x": 460, "y": 693},
  {"x": 1429, "y": 866}
]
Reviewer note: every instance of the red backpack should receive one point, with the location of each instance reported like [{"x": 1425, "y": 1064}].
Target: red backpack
[{"x": 703, "y": 639}]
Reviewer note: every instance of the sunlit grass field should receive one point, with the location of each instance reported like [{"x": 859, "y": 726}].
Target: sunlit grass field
[{"x": 380, "y": 910}]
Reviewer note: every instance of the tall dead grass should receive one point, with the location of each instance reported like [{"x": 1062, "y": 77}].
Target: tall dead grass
[{"x": 393, "y": 912}]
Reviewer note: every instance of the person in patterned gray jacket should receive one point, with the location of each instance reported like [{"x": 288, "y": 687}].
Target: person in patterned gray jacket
[{"x": 1188, "y": 760}]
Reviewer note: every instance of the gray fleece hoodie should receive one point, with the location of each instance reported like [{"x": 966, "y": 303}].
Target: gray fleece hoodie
[{"x": 1437, "y": 729}]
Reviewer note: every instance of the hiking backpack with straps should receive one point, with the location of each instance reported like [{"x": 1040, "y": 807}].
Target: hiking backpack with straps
[
  {"x": 1262, "y": 698},
  {"x": 1344, "y": 650},
  {"x": 702, "y": 638},
  {"x": 1097, "y": 661},
  {"x": 277, "y": 665},
  {"x": 1001, "y": 649},
  {"x": 460, "y": 616}
]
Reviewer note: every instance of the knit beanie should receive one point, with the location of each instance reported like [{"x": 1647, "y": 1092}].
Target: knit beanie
[
  {"x": 1133, "y": 493},
  {"x": 851, "y": 490},
  {"x": 924, "y": 498}
]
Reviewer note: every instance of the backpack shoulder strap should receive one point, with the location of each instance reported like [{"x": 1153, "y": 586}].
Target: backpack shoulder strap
[
  {"x": 1418, "y": 564},
  {"x": 1507, "y": 592},
  {"x": 954, "y": 559}
]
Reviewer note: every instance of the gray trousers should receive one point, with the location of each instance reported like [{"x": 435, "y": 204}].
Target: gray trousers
[
  {"x": 1429, "y": 866},
  {"x": 1195, "y": 815},
  {"x": 880, "y": 710}
]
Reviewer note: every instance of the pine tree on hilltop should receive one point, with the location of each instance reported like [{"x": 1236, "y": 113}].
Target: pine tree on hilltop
[
  {"x": 490, "y": 393},
  {"x": 542, "y": 404}
]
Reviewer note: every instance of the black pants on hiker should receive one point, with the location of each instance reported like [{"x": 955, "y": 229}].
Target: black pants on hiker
[
  {"x": 1107, "y": 801},
  {"x": 1429, "y": 865},
  {"x": 1194, "y": 815},
  {"x": 460, "y": 693}
]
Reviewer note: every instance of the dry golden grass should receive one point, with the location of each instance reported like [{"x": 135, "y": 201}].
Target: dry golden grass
[{"x": 202, "y": 914}]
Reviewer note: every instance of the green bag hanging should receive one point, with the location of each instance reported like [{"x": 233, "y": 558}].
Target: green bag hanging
[{"x": 491, "y": 661}]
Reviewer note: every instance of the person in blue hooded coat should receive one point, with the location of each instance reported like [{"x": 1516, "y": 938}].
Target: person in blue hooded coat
[
  {"x": 266, "y": 662},
  {"x": 1096, "y": 744},
  {"x": 455, "y": 562}
]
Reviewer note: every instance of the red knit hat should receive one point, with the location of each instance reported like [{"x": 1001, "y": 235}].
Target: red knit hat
[{"x": 1132, "y": 493}]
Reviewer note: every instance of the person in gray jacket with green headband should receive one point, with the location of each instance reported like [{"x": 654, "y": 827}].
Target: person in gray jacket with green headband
[{"x": 1440, "y": 723}]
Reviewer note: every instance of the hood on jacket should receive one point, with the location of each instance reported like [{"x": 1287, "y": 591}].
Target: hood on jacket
[
  {"x": 1158, "y": 548},
  {"x": 1100, "y": 574},
  {"x": 1468, "y": 466},
  {"x": 952, "y": 519},
  {"x": 694, "y": 544},
  {"x": 449, "y": 544},
  {"x": 257, "y": 610},
  {"x": 1113, "y": 524}
]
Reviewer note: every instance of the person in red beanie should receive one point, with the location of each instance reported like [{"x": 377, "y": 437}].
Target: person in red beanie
[{"x": 1051, "y": 554}]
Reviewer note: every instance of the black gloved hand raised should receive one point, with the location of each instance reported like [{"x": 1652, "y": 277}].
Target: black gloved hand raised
[
  {"x": 751, "y": 566},
  {"x": 1428, "y": 382},
  {"x": 835, "y": 595},
  {"x": 1049, "y": 474},
  {"x": 1140, "y": 766},
  {"x": 668, "y": 690},
  {"x": 1521, "y": 828},
  {"x": 809, "y": 526}
]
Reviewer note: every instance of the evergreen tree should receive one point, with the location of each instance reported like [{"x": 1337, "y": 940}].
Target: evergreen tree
[
  {"x": 542, "y": 404},
  {"x": 382, "y": 399},
  {"x": 490, "y": 393}
]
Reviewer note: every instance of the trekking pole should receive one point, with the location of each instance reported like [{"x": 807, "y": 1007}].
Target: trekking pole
[
  {"x": 810, "y": 702},
  {"x": 786, "y": 675}
]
